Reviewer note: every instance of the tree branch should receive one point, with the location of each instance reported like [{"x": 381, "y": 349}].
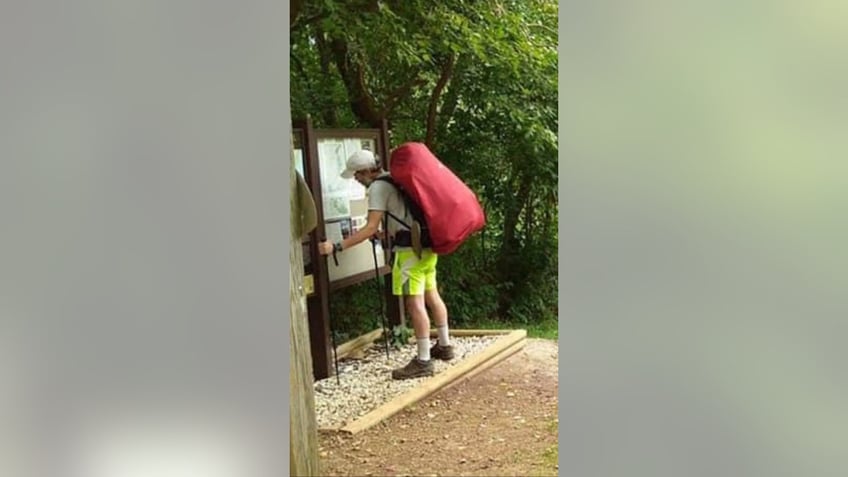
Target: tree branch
[
  {"x": 452, "y": 97},
  {"x": 304, "y": 21},
  {"x": 328, "y": 110},
  {"x": 353, "y": 77},
  {"x": 298, "y": 64},
  {"x": 447, "y": 69},
  {"x": 400, "y": 93},
  {"x": 294, "y": 11},
  {"x": 543, "y": 27}
]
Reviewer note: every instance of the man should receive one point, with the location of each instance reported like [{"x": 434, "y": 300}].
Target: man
[{"x": 412, "y": 277}]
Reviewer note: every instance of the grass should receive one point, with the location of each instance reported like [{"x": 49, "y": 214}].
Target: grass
[
  {"x": 551, "y": 456},
  {"x": 548, "y": 329}
]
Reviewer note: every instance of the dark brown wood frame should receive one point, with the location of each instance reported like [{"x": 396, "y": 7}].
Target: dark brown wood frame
[{"x": 318, "y": 301}]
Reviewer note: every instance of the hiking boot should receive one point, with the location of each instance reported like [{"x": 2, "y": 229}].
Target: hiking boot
[
  {"x": 444, "y": 353},
  {"x": 415, "y": 369}
]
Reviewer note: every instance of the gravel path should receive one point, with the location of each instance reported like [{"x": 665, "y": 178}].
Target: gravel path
[
  {"x": 500, "y": 422},
  {"x": 366, "y": 383}
]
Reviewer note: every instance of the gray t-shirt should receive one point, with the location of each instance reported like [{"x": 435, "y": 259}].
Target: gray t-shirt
[{"x": 384, "y": 196}]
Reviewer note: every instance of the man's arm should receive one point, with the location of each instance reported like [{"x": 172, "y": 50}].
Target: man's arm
[{"x": 371, "y": 228}]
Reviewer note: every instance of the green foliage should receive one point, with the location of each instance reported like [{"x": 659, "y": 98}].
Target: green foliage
[
  {"x": 547, "y": 329},
  {"x": 400, "y": 336},
  {"x": 466, "y": 285},
  {"x": 355, "y": 311},
  {"x": 487, "y": 70}
]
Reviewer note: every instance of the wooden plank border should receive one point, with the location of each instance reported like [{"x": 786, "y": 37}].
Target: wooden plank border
[
  {"x": 363, "y": 341},
  {"x": 434, "y": 333},
  {"x": 511, "y": 342},
  {"x": 346, "y": 349}
]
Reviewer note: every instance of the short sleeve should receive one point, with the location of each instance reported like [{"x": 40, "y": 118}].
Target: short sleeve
[{"x": 378, "y": 195}]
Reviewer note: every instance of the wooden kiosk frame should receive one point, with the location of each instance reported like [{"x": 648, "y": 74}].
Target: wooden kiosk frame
[{"x": 321, "y": 274}]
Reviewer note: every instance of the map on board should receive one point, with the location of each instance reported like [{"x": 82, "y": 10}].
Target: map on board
[{"x": 336, "y": 191}]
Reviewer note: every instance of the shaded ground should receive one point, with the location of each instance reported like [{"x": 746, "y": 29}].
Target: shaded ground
[{"x": 501, "y": 422}]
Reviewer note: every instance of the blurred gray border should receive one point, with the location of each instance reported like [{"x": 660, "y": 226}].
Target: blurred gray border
[
  {"x": 562, "y": 159},
  {"x": 144, "y": 229}
]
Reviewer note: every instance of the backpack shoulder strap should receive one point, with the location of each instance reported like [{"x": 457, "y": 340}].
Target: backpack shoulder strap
[
  {"x": 386, "y": 178},
  {"x": 404, "y": 197}
]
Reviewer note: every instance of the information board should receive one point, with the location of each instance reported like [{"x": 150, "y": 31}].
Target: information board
[
  {"x": 345, "y": 206},
  {"x": 342, "y": 208}
]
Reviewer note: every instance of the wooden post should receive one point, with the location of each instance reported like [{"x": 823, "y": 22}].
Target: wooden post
[
  {"x": 319, "y": 303},
  {"x": 303, "y": 426}
]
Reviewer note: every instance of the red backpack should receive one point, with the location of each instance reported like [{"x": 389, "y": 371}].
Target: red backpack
[{"x": 450, "y": 210}]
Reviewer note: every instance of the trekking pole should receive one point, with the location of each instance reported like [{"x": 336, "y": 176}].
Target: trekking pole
[
  {"x": 335, "y": 354},
  {"x": 333, "y": 331},
  {"x": 383, "y": 318}
]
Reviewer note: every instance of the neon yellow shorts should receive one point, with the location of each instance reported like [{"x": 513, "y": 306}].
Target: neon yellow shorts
[{"x": 411, "y": 276}]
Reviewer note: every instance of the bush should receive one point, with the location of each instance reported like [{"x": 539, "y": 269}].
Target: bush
[
  {"x": 467, "y": 287},
  {"x": 355, "y": 310}
]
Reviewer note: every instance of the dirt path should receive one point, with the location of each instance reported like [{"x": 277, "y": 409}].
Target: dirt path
[{"x": 502, "y": 422}]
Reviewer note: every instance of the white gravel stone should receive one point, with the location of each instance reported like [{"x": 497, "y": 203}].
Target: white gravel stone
[{"x": 365, "y": 384}]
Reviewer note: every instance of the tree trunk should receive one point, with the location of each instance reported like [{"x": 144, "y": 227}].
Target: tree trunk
[
  {"x": 365, "y": 105},
  {"x": 353, "y": 77},
  {"x": 328, "y": 109},
  {"x": 294, "y": 10},
  {"x": 447, "y": 69},
  {"x": 513, "y": 212},
  {"x": 452, "y": 97},
  {"x": 509, "y": 253}
]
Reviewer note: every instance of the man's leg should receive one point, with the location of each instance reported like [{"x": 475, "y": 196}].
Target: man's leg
[
  {"x": 420, "y": 324},
  {"x": 440, "y": 314},
  {"x": 443, "y": 349},
  {"x": 409, "y": 280}
]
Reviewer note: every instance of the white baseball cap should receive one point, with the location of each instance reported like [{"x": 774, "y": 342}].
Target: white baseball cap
[{"x": 358, "y": 161}]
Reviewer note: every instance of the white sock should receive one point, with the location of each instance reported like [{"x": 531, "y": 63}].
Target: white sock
[
  {"x": 444, "y": 338},
  {"x": 424, "y": 349}
]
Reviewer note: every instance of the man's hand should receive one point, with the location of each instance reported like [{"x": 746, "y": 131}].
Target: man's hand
[{"x": 325, "y": 248}]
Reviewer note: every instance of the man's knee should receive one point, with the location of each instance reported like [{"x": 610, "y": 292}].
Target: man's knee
[
  {"x": 432, "y": 296},
  {"x": 415, "y": 303}
]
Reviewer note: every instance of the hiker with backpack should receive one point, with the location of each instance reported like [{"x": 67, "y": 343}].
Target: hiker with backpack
[{"x": 414, "y": 260}]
